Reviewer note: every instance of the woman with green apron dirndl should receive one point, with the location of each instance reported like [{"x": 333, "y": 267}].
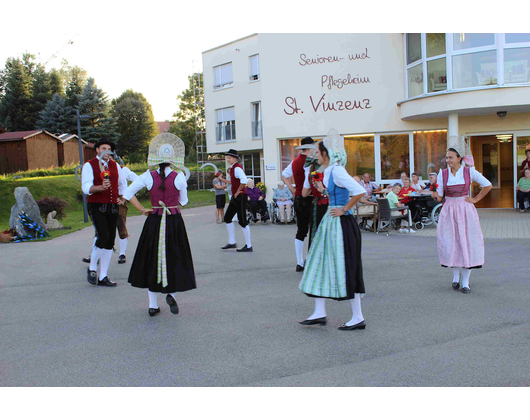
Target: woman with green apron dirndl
[{"x": 333, "y": 268}]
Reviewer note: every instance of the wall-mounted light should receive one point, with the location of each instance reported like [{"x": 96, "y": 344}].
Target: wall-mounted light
[{"x": 502, "y": 114}]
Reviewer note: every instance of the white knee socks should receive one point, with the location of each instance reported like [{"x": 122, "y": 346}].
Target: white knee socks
[
  {"x": 320, "y": 308},
  {"x": 231, "y": 233},
  {"x": 357, "y": 315},
  {"x": 123, "y": 245},
  {"x": 299, "y": 247},
  {"x": 246, "y": 232},
  {"x": 94, "y": 258},
  {"x": 466, "y": 272},
  {"x": 456, "y": 274},
  {"x": 106, "y": 255},
  {"x": 153, "y": 298}
]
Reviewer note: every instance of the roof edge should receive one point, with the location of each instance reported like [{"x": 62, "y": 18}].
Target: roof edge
[{"x": 231, "y": 42}]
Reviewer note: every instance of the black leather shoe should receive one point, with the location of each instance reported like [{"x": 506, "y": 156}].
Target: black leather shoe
[
  {"x": 360, "y": 326},
  {"x": 153, "y": 311},
  {"x": 91, "y": 276},
  {"x": 321, "y": 321},
  {"x": 299, "y": 268},
  {"x": 456, "y": 286},
  {"x": 265, "y": 222},
  {"x": 228, "y": 246},
  {"x": 106, "y": 282},
  {"x": 86, "y": 260},
  {"x": 173, "y": 307},
  {"x": 122, "y": 259},
  {"x": 466, "y": 290},
  {"x": 245, "y": 249}
]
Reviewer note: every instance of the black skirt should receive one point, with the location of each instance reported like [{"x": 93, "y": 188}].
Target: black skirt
[{"x": 144, "y": 268}]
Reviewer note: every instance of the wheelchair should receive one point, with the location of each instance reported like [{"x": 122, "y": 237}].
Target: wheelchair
[
  {"x": 425, "y": 214},
  {"x": 274, "y": 212},
  {"x": 250, "y": 216}
]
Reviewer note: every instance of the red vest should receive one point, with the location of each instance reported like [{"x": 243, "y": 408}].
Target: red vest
[
  {"x": 110, "y": 195},
  {"x": 170, "y": 196},
  {"x": 298, "y": 173},
  {"x": 235, "y": 181}
]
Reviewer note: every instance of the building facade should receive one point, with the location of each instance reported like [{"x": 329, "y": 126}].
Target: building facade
[{"x": 396, "y": 99}]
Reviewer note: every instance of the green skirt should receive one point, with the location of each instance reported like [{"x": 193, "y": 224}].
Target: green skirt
[{"x": 333, "y": 266}]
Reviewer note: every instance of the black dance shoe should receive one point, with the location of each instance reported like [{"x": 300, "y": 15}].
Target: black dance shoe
[
  {"x": 245, "y": 249},
  {"x": 106, "y": 282},
  {"x": 466, "y": 290},
  {"x": 173, "y": 307},
  {"x": 299, "y": 268},
  {"x": 456, "y": 286},
  {"x": 321, "y": 321},
  {"x": 91, "y": 276},
  {"x": 228, "y": 246},
  {"x": 86, "y": 260},
  {"x": 122, "y": 259},
  {"x": 153, "y": 311},
  {"x": 360, "y": 326}
]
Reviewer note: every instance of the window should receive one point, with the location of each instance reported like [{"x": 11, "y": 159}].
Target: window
[
  {"x": 254, "y": 67},
  {"x": 361, "y": 155},
  {"x": 252, "y": 166},
  {"x": 394, "y": 156},
  {"x": 256, "y": 120},
  {"x": 223, "y": 76},
  {"x": 477, "y": 69},
  {"x": 428, "y": 52},
  {"x": 429, "y": 151},
  {"x": 288, "y": 152},
  {"x": 516, "y": 58},
  {"x": 226, "y": 125},
  {"x": 465, "y": 41}
]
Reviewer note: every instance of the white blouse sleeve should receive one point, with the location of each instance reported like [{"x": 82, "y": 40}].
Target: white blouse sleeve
[
  {"x": 306, "y": 178},
  {"x": 440, "y": 182},
  {"x": 140, "y": 182},
  {"x": 477, "y": 177},
  {"x": 87, "y": 178},
  {"x": 288, "y": 172},
  {"x": 182, "y": 185},
  {"x": 343, "y": 179},
  {"x": 238, "y": 173}
]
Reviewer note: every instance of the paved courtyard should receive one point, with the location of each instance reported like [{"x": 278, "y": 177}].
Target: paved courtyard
[{"x": 240, "y": 326}]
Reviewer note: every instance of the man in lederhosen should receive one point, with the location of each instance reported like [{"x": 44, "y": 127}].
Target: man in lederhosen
[
  {"x": 101, "y": 179},
  {"x": 302, "y": 205},
  {"x": 238, "y": 204}
]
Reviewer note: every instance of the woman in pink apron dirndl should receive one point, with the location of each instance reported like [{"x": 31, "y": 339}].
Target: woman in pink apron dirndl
[{"x": 460, "y": 240}]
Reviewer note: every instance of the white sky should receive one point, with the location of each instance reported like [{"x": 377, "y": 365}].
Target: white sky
[{"x": 156, "y": 65}]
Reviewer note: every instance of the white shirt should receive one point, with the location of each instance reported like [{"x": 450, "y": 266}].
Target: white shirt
[
  {"x": 342, "y": 178},
  {"x": 458, "y": 179},
  {"x": 129, "y": 176},
  {"x": 146, "y": 181},
  {"x": 87, "y": 177},
  {"x": 419, "y": 186},
  {"x": 288, "y": 173}
]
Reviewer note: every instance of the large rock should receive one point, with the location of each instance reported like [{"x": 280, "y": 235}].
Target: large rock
[{"x": 27, "y": 204}]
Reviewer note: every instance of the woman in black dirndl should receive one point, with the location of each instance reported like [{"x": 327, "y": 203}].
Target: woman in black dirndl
[{"x": 163, "y": 262}]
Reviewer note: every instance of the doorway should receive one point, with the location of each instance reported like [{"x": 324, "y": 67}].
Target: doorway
[
  {"x": 493, "y": 156},
  {"x": 252, "y": 166}
]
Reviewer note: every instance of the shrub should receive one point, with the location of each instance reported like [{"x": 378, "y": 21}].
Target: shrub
[{"x": 49, "y": 204}]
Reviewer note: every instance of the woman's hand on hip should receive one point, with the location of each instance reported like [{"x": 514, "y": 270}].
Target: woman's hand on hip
[
  {"x": 336, "y": 212},
  {"x": 471, "y": 200}
]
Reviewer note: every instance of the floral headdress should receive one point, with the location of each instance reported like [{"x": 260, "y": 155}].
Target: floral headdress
[
  {"x": 462, "y": 149},
  {"x": 167, "y": 148}
]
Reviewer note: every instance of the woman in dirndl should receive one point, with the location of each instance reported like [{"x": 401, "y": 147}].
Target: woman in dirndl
[
  {"x": 333, "y": 268},
  {"x": 460, "y": 240},
  {"x": 162, "y": 262}
]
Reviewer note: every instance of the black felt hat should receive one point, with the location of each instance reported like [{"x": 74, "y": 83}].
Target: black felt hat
[
  {"x": 105, "y": 141},
  {"x": 232, "y": 153},
  {"x": 307, "y": 143}
]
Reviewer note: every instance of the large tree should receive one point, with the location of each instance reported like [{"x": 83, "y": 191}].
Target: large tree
[
  {"x": 16, "y": 96},
  {"x": 135, "y": 123},
  {"x": 94, "y": 103},
  {"x": 55, "y": 117}
]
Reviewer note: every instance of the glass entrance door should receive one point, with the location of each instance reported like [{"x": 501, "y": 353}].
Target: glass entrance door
[
  {"x": 490, "y": 162},
  {"x": 252, "y": 166}
]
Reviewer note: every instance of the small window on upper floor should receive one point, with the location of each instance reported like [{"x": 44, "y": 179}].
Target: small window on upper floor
[
  {"x": 254, "y": 67},
  {"x": 223, "y": 77}
]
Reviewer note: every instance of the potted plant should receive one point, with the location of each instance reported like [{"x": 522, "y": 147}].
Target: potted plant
[{"x": 7, "y": 235}]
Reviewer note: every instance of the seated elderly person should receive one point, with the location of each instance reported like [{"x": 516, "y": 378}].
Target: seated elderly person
[
  {"x": 367, "y": 208},
  {"x": 394, "y": 203},
  {"x": 416, "y": 183},
  {"x": 257, "y": 202},
  {"x": 284, "y": 201},
  {"x": 402, "y": 178},
  {"x": 523, "y": 189}
]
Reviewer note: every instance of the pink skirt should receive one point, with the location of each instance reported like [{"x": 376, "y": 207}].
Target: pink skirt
[{"x": 460, "y": 240}]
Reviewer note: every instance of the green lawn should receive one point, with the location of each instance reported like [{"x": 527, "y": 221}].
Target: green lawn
[{"x": 67, "y": 188}]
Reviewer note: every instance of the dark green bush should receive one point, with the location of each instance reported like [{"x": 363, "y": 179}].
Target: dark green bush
[{"x": 49, "y": 204}]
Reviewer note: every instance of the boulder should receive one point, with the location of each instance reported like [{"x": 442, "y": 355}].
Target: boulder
[{"x": 27, "y": 204}]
